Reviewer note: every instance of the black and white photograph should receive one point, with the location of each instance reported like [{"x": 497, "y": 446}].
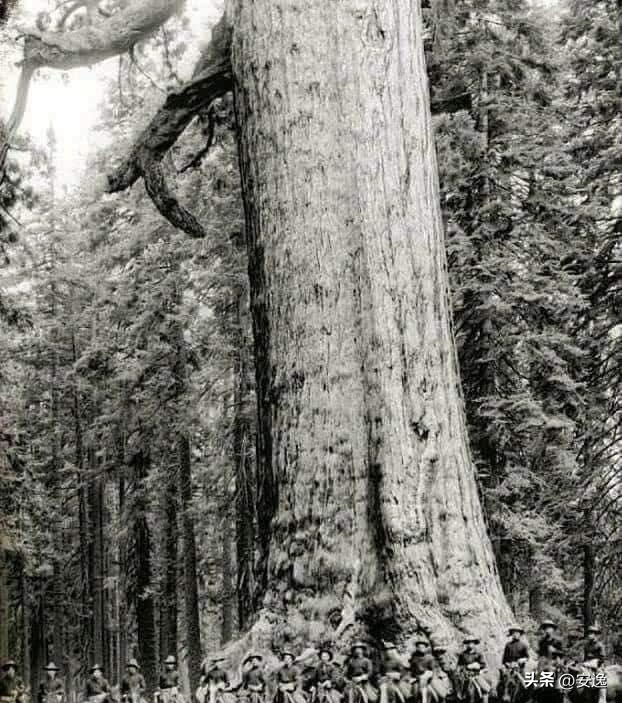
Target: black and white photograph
[{"x": 310, "y": 351}]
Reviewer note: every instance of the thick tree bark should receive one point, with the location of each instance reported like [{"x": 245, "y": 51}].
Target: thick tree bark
[
  {"x": 244, "y": 475},
  {"x": 366, "y": 486}
]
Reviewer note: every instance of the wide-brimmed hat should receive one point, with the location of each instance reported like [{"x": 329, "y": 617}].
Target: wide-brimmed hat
[
  {"x": 51, "y": 667},
  {"x": 327, "y": 649},
  {"x": 96, "y": 667},
  {"x": 287, "y": 652},
  {"x": 516, "y": 628},
  {"x": 170, "y": 659},
  {"x": 388, "y": 646},
  {"x": 548, "y": 623},
  {"x": 134, "y": 663},
  {"x": 357, "y": 645},
  {"x": 252, "y": 655},
  {"x": 594, "y": 628},
  {"x": 438, "y": 647},
  {"x": 470, "y": 639},
  {"x": 9, "y": 663}
]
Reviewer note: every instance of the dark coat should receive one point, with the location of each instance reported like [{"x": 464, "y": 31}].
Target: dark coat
[
  {"x": 547, "y": 644},
  {"x": 420, "y": 662},
  {"x": 253, "y": 677},
  {"x": 594, "y": 649},
  {"x": 50, "y": 686},
  {"x": 470, "y": 657},
  {"x": 133, "y": 682},
  {"x": 217, "y": 675},
  {"x": 327, "y": 671},
  {"x": 94, "y": 687},
  {"x": 169, "y": 679},
  {"x": 287, "y": 674},
  {"x": 359, "y": 666},
  {"x": 515, "y": 650}
]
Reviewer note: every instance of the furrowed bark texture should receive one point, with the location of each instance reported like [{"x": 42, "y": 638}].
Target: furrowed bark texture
[{"x": 368, "y": 495}]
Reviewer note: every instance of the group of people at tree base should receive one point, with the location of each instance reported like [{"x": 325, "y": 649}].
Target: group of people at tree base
[{"x": 428, "y": 676}]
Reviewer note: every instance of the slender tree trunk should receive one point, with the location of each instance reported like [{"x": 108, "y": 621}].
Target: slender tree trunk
[
  {"x": 367, "y": 494},
  {"x": 191, "y": 592},
  {"x": 37, "y": 641},
  {"x": 228, "y": 576},
  {"x": 191, "y": 588},
  {"x": 589, "y": 565},
  {"x": 96, "y": 560},
  {"x": 169, "y": 604},
  {"x": 83, "y": 518},
  {"x": 144, "y": 602},
  {"x": 4, "y": 604}
]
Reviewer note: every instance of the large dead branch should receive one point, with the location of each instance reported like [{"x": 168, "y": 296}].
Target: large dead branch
[
  {"x": 212, "y": 78},
  {"x": 100, "y": 40}
]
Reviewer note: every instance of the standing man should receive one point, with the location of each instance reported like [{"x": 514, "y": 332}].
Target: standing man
[
  {"x": 169, "y": 678},
  {"x": 594, "y": 657},
  {"x": 359, "y": 671},
  {"x": 133, "y": 684},
  {"x": 421, "y": 669},
  {"x": 51, "y": 689},
  {"x": 97, "y": 687},
  {"x": 392, "y": 689},
  {"x": 515, "y": 655},
  {"x": 326, "y": 679},
  {"x": 471, "y": 662},
  {"x": 547, "y": 644},
  {"x": 11, "y": 686}
]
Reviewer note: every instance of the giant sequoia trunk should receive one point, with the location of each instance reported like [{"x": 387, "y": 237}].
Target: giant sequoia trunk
[{"x": 367, "y": 490}]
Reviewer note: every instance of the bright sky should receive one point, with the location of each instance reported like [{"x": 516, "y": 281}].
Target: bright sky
[{"x": 69, "y": 101}]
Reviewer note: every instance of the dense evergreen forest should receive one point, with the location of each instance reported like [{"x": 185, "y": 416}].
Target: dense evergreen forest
[{"x": 183, "y": 463}]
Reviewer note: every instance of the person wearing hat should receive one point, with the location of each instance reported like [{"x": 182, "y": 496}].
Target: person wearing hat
[
  {"x": 441, "y": 682},
  {"x": 513, "y": 661},
  {"x": 214, "y": 682},
  {"x": 515, "y": 654},
  {"x": 325, "y": 682},
  {"x": 169, "y": 677},
  {"x": 253, "y": 678},
  {"x": 11, "y": 686},
  {"x": 471, "y": 663},
  {"x": 593, "y": 647},
  {"x": 51, "y": 689},
  {"x": 421, "y": 666},
  {"x": 96, "y": 685},
  {"x": 359, "y": 671},
  {"x": 594, "y": 655},
  {"x": 547, "y": 643},
  {"x": 133, "y": 686},
  {"x": 393, "y": 686},
  {"x": 287, "y": 678}
]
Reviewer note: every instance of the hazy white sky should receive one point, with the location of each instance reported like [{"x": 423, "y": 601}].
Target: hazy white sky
[{"x": 68, "y": 102}]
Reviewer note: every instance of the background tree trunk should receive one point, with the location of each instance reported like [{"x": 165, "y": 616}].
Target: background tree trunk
[
  {"x": 144, "y": 605},
  {"x": 367, "y": 494},
  {"x": 4, "y": 605},
  {"x": 169, "y": 604}
]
